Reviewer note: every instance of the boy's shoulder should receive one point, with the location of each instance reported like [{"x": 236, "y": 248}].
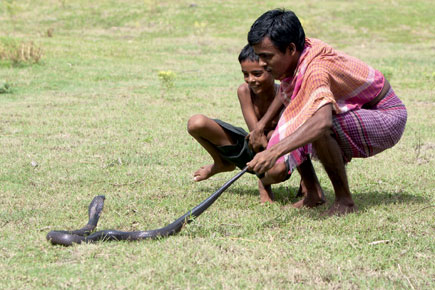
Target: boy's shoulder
[{"x": 243, "y": 90}]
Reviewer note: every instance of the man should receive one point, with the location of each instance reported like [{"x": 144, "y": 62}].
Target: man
[{"x": 337, "y": 108}]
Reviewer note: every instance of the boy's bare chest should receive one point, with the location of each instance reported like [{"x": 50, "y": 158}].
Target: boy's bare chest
[{"x": 260, "y": 109}]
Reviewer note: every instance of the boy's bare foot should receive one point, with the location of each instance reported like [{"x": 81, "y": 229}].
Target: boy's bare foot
[
  {"x": 209, "y": 170},
  {"x": 266, "y": 194},
  {"x": 339, "y": 208}
]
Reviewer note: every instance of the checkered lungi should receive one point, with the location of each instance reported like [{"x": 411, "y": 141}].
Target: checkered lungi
[{"x": 364, "y": 132}]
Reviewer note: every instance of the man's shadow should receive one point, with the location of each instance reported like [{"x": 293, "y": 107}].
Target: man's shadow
[{"x": 286, "y": 195}]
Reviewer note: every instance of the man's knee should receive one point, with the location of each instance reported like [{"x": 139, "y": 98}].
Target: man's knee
[
  {"x": 328, "y": 150},
  {"x": 196, "y": 123},
  {"x": 323, "y": 139}
]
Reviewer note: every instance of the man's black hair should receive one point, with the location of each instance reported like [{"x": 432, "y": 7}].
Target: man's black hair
[
  {"x": 248, "y": 53},
  {"x": 281, "y": 26}
]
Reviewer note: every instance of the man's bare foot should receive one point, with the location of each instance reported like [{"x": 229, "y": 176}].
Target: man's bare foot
[
  {"x": 314, "y": 197},
  {"x": 310, "y": 203},
  {"x": 340, "y": 208},
  {"x": 209, "y": 170},
  {"x": 266, "y": 194}
]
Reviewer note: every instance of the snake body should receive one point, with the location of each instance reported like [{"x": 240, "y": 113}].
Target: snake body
[{"x": 83, "y": 235}]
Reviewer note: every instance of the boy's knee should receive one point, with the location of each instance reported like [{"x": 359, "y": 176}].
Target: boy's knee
[
  {"x": 278, "y": 173},
  {"x": 196, "y": 122}
]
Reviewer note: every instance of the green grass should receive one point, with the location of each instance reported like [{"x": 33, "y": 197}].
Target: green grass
[{"x": 95, "y": 118}]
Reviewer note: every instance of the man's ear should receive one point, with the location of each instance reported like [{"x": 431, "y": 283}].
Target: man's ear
[{"x": 292, "y": 48}]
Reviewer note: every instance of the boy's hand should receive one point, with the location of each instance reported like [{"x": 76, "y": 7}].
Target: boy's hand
[{"x": 257, "y": 140}]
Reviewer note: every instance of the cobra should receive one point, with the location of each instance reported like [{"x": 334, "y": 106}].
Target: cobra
[{"x": 85, "y": 235}]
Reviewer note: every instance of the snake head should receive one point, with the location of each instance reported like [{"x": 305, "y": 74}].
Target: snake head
[{"x": 95, "y": 209}]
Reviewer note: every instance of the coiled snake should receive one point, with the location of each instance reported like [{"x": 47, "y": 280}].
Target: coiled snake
[{"x": 84, "y": 235}]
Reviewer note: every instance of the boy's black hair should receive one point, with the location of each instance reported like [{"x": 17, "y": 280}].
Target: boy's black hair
[
  {"x": 281, "y": 26},
  {"x": 248, "y": 53}
]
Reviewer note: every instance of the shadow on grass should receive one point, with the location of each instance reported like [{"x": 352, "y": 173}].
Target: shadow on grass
[
  {"x": 366, "y": 200},
  {"x": 285, "y": 196}
]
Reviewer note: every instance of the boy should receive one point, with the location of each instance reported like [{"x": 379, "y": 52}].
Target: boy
[{"x": 228, "y": 145}]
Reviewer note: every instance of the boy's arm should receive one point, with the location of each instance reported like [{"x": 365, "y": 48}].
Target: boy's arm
[
  {"x": 257, "y": 135},
  {"x": 251, "y": 119},
  {"x": 247, "y": 106}
]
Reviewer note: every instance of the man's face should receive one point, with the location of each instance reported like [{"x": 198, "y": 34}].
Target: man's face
[{"x": 281, "y": 65}]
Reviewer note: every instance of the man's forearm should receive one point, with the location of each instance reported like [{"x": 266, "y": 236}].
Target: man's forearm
[
  {"x": 320, "y": 123},
  {"x": 312, "y": 129}
]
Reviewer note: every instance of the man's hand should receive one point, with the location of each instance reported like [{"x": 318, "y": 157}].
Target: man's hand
[
  {"x": 262, "y": 162},
  {"x": 257, "y": 140}
]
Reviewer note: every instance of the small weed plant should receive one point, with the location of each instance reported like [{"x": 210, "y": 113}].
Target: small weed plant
[
  {"x": 167, "y": 78},
  {"x": 5, "y": 87}
]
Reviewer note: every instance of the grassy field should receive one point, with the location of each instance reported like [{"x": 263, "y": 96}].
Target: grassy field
[{"x": 83, "y": 112}]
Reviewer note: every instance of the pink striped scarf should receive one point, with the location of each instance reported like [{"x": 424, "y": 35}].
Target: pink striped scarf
[{"x": 323, "y": 76}]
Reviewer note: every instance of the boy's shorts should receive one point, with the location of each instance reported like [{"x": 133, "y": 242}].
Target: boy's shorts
[{"x": 240, "y": 153}]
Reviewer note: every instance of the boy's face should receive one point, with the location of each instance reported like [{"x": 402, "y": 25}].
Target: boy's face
[
  {"x": 281, "y": 65},
  {"x": 257, "y": 78}
]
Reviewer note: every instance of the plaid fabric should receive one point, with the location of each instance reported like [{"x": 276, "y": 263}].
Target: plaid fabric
[
  {"x": 364, "y": 133},
  {"x": 323, "y": 76}
]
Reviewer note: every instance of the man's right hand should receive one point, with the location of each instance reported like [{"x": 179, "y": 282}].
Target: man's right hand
[{"x": 262, "y": 161}]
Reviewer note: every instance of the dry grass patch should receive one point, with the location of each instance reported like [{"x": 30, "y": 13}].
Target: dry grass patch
[{"x": 20, "y": 52}]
